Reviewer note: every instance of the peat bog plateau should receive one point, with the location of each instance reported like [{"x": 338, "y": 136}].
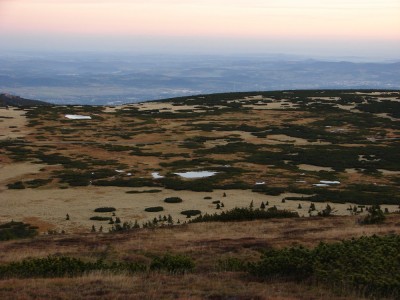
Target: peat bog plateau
[
  {"x": 288, "y": 149},
  {"x": 285, "y": 158}
]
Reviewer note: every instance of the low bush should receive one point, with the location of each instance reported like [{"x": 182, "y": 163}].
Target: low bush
[
  {"x": 246, "y": 214},
  {"x": 232, "y": 264},
  {"x": 154, "y": 209},
  {"x": 191, "y": 213},
  {"x": 173, "y": 200},
  {"x": 173, "y": 263},
  {"x": 105, "y": 209},
  {"x": 375, "y": 216},
  {"x": 100, "y": 218},
  {"x": 19, "y": 185},
  {"x": 35, "y": 183},
  {"x": 366, "y": 264},
  {"x": 16, "y": 230},
  {"x": 62, "y": 266}
]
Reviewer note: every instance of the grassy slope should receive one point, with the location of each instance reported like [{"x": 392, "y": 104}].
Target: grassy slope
[{"x": 206, "y": 243}]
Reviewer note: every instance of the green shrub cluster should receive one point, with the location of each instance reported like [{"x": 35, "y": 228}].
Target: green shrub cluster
[
  {"x": 154, "y": 209},
  {"x": 368, "y": 264},
  {"x": 375, "y": 216},
  {"x": 19, "y": 185},
  {"x": 16, "y": 230},
  {"x": 105, "y": 209},
  {"x": 173, "y": 263},
  {"x": 191, "y": 212},
  {"x": 100, "y": 218},
  {"x": 63, "y": 266},
  {"x": 35, "y": 183},
  {"x": 358, "y": 194},
  {"x": 173, "y": 200},
  {"x": 246, "y": 214}
]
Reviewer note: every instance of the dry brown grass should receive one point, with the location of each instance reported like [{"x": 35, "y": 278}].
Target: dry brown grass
[
  {"x": 151, "y": 286},
  {"x": 206, "y": 243}
]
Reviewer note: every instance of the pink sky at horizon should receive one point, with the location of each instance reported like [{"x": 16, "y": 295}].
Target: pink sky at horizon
[{"x": 368, "y": 20}]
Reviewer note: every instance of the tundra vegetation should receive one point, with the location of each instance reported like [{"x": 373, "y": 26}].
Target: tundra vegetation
[{"x": 310, "y": 151}]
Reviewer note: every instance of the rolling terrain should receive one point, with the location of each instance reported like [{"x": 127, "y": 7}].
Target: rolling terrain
[{"x": 304, "y": 166}]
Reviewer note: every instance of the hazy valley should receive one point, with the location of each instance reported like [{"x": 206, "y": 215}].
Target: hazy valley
[{"x": 99, "y": 79}]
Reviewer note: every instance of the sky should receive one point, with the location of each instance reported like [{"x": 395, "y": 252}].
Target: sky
[{"x": 364, "y": 28}]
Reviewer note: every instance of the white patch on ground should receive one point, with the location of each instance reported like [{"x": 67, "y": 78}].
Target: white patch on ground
[
  {"x": 156, "y": 175},
  {"x": 329, "y": 182},
  {"x": 196, "y": 174},
  {"x": 78, "y": 117}
]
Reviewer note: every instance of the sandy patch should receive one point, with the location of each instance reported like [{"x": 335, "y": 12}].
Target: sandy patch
[
  {"x": 282, "y": 105},
  {"x": 351, "y": 171},
  {"x": 306, "y": 167},
  {"x": 390, "y": 99},
  {"x": 351, "y": 108},
  {"x": 282, "y": 138},
  {"x": 325, "y": 98},
  {"x": 388, "y": 172},
  {"x": 18, "y": 170},
  {"x": 387, "y": 116},
  {"x": 47, "y": 208},
  {"x": 12, "y": 123},
  {"x": 164, "y": 106}
]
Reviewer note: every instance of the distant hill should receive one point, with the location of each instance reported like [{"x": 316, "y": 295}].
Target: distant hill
[{"x": 11, "y": 100}]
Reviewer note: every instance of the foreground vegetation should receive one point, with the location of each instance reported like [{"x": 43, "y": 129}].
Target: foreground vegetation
[
  {"x": 369, "y": 265},
  {"x": 366, "y": 266},
  {"x": 16, "y": 230}
]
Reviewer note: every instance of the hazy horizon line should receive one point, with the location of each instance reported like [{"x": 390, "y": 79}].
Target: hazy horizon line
[{"x": 185, "y": 54}]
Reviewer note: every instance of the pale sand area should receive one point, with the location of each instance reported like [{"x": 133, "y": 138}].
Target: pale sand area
[
  {"x": 388, "y": 172},
  {"x": 386, "y": 115},
  {"x": 281, "y": 105},
  {"x": 351, "y": 108},
  {"x": 18, "y": 171},
  {"x": 306, "y": 167},
  {"x": 270, "y": 139},
  {"x": 47, "y": 208},
  {"x": 282, "y": 138},
  {"x": 12, "y": 123},
  {"x": 372, "y": 93},
  {"x": 390, "y": 99},
  {"x": 165, "y": 106},
  {"x": 325, "y": 98}
]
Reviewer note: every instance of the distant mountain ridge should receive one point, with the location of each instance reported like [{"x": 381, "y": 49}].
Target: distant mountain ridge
[{"x": 11, "y": 100}]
